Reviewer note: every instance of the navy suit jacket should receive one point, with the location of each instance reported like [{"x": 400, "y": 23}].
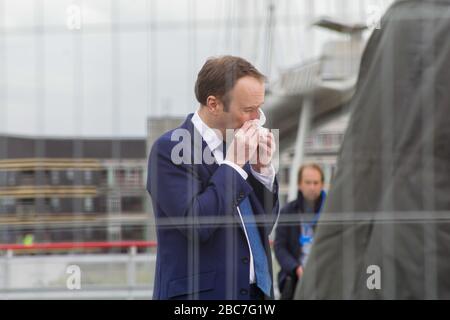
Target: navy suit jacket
[{"x": 202, "y": 249}]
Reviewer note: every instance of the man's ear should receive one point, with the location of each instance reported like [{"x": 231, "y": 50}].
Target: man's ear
[{"x": 214, "y": 105}]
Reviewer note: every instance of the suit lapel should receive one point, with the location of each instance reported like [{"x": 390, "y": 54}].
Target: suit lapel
[{"x": 199, "y": 147}]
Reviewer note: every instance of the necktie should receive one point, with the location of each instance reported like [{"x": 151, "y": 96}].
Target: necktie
[
  {"x": 261, "y": 266},
  {"x": 224, "y": 149}
]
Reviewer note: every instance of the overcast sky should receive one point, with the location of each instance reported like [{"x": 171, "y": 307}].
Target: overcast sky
[{"x": 101, "y": 67}]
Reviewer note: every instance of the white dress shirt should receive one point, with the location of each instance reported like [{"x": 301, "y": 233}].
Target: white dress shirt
[{"x": 214, "y": 143}]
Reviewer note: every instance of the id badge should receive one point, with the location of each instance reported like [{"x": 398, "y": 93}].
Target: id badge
[{"x": 305, "y": 239}]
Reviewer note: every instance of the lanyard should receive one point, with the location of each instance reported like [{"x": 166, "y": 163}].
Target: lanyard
[{"x": 306, "y": 236}]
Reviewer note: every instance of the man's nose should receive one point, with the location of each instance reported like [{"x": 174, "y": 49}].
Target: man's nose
[{"x": 254, "y": 115}]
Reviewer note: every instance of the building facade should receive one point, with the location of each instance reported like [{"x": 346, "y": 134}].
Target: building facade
[{"x": 64, "y": 189}]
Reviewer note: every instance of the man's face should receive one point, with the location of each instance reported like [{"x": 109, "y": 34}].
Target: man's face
[
  {"x": 246, "y": 98},
  {"x": 311, "y": 184}
]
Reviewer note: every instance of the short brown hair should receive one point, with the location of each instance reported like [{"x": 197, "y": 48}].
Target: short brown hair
[
  {"x": 219, "y": 75},
  {"x": 312, "y": 166}
]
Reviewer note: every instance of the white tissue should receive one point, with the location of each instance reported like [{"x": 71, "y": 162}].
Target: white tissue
[
  {"x": 262, "y": 118},
  {"x": 261, "y": 121}
]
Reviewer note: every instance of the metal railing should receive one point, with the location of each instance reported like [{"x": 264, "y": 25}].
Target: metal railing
[
  {"x": 45, "y": 270},
  {"x": 42, "y": 274}
]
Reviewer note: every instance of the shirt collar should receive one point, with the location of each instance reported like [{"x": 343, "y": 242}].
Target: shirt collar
[{"x": 208, "y": 134}]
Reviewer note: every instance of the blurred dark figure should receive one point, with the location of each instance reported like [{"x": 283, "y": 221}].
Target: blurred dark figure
[
  {"x": 392, "y": 188},
  {"x": 294, "y": 237}
]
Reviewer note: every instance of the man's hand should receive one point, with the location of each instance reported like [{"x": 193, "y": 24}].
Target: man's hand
[
  {"x": 266, "y": 149},
  {"x": 244, "y": 145},
  {"x": 299, "y": 272}
]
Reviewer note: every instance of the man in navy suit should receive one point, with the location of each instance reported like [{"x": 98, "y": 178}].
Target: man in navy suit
[{"x": 216, "y": 199}]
